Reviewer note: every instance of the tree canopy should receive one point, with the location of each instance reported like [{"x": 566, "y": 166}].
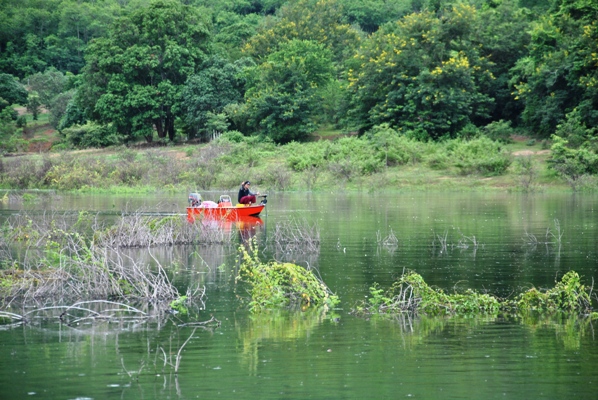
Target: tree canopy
[
  {"x": 283, "y": 69},
  {"x": 138, "y": 71}
]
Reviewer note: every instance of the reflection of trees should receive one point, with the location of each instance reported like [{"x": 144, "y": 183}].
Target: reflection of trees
[{"x": 277, "y": 326}]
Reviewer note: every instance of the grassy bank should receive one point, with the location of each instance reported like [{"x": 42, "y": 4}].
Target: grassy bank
[
  {"x": 349, "y": 163},
  {"x": 384, "y": 161}
]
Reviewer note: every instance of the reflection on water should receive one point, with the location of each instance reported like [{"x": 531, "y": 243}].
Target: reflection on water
[
  {"x": 489, "y": 246},
  {"x": 274, "y": 327}
]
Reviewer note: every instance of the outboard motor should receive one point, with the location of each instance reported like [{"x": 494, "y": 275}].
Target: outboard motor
[
  {"x": 194, "y": 199},
  {"x": 264, "y": 199}
]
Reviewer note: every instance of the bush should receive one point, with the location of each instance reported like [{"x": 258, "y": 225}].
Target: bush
[
  {"x": 412, "y": 294},
  {"x": 568, "y": 295},
  {"x": 301, "y": 157},
  {"x": 26, "y": 173},
  {"x": 481, "y": 155},
  {"x": 92, "y": 135},
  {"x": 394, "y": 148},
  {"x": 572, "y": 164},
  {"x": 232, "y": 137},
  {"x": 499, "y": 131},
  {"x": 355, "y": 151}
]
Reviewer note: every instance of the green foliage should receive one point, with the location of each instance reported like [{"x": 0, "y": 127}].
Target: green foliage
[
  {"x": 321, "y": 22},
  {"x": 34, "y": 104},
  {"x": 355, "y": 153},
  {"x": 395, "y": 148},
  {"x": 568, "y": 295},
  {"x": 499, "y": 131},
  {"x": 394, "y": 78},
  {"x": 371, "y": 14},
  {"x": 282, "y": 100},
  {"x": 276, "y": 285},
  {"x": 410, "y": 293},
  {"x": 134, "y": 77},
  {"x": 179, "y": 306},
  {"x": 481, "y": 155},
  {"x": 58, "y": 107},
  {"x": 210, "y": 91},
  {"x": 301, "y": 157},
  {"x": 574, "y": 129},
  {"x": 91, "y": 135},
  {"x": 573, "y": 164},
  {"x": 11, "y": 91},
  {"x": 559, "y": 73},
  {"x": 47, "y": 85},
  {"x": 231, "y": 136}
]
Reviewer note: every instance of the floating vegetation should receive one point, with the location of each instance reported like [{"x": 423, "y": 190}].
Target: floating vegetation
[
  {"x": 276, "y": 284},
  {"x": 411, "y": 294},
  {"x": 568, "y": 295}
]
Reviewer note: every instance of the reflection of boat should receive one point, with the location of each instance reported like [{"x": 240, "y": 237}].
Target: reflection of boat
[{"x": 224, "y": 209}]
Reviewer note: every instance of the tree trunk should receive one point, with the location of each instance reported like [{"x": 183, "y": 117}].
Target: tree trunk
[
  {"x": 160, "y": 128},
  {"x": 170, "y": 128}
]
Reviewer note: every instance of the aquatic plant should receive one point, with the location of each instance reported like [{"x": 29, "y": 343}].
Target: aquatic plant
[
  {"x": 275, "y": 284},
  {"x": 568, "y": 295},
  {"x": 411, "y": 294}
]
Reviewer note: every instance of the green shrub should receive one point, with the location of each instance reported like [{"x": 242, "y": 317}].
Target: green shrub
[
  {"x": 91, "y": 135},
  {"x": 355, "y": 151},
  {"x": 302, "y": 156},
  {"x": 232, "y": 137},
  {"x": 394, "y": 148},
  {"x": 499, "y": 131},
  {"x": 573, "y": 164},
  {"x": 481, "y": 155}
]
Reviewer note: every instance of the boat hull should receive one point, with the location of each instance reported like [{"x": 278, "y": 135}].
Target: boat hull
[{"x": 227, "y": 212}]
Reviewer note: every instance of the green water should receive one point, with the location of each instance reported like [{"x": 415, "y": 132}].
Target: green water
[{"x": 300, "y": 355}]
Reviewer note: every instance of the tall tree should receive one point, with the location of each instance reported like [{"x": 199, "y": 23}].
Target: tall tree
[
  {"x": 209, "y": 91},
  {"x": 283, "y": 97},
  {"x": 11, "y": 91},
  {"x": 559, "y": 74},
  {"x": 423, "y": 73},
  {"x": 137, "y": 73},
  {"x": 47, "y": 85},
  {"x": 320, "y": 21}
]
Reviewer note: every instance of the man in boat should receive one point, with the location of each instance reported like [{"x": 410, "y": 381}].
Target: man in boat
[{"x": 246, "y": 196}]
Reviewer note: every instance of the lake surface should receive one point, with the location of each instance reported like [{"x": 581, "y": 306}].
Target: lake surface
[{"x": 499, "y": 243}]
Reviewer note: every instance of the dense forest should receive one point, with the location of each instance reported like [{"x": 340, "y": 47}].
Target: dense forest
[{"x": 124, "y": 71}]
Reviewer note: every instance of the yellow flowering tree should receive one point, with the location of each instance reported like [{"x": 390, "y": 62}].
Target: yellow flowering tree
[{"x": 424, "y": 73}]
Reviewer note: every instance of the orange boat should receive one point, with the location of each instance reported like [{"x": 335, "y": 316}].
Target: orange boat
[{"x": 224, "y": 209}]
